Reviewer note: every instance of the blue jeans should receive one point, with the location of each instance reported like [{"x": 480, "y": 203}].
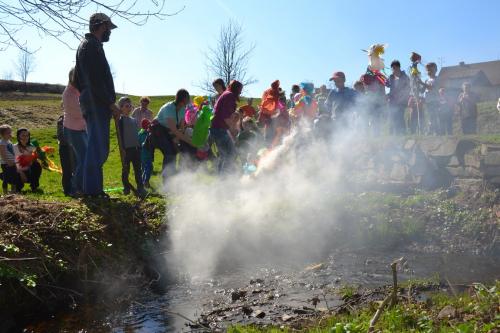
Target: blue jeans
[
  {"x": 79, "y": 142},
  {"x": 97, "y": 150},
  {"x": 146, "y": 164},
  {"x": 225, "y": 149}
]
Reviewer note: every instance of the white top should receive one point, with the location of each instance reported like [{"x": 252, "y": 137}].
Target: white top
[{"x": 9, "y": 152}]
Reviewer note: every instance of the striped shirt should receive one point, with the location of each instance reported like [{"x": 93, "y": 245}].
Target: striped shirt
[{"x": 9, "y": 152}]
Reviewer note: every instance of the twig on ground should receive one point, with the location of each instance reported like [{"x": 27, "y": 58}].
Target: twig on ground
[
  {"x": 326, "y": 303},
  {"x": 61, "y": 288},
  {"x": 453, "y": 291},
  {"x": 378, "y": 313},
  {"x": 18, "y": 259},
  {"x": 393, "y": 297},
  {"x": 394, "y": 294}
]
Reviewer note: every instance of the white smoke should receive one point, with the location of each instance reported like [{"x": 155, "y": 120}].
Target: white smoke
[{"x": 283, "y": 214}]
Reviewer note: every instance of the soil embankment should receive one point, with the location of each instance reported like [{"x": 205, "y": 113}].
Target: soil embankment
[{"x": 55, "y": 254}]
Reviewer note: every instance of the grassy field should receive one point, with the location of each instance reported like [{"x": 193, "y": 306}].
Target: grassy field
[{"x": 39, "y": 112}]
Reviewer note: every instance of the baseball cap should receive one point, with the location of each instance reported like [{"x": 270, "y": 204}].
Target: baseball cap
[
  {"x": 99, "y": 18},
  {"x": 337, "y": 75}
]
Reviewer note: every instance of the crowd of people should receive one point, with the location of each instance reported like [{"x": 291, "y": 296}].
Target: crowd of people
[{"x": 191, "y": 130}]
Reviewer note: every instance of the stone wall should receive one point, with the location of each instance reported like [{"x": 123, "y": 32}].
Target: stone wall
[{"x": 429, "y": 162}]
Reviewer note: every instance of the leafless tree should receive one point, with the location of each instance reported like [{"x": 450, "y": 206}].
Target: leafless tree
[
  {"x": 7, "y": 75},
  {"x": 58, "y": 18},
  {"x": 24, "y": 66},
  {"x": 228, "y": 59}
]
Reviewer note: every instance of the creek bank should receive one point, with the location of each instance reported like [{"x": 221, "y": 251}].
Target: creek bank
[
  {"x": 55, "y": 255},
  {"x": 421, "y": 307},
  {"x": 79, "y": 263}
]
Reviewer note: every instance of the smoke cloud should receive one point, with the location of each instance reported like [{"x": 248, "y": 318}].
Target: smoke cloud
[{"x": 283, "y": 214}]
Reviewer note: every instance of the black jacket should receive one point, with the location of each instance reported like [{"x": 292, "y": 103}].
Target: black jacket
[{"x": 93, "y": 76}]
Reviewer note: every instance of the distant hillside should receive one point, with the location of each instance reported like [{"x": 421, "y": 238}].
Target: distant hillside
[
  {"x": 13, "y": 86},
  {"x": 41, "y": 110}
]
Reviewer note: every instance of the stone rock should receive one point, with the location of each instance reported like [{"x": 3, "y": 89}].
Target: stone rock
[
  {"x": 489, "y": 148},
  {"x": 468, "y": 183},
  {"x": 286, "y": 317},
  {"x": 453, "y": 162},
  {"x": 238, "y": 294},
  {"x": 472, "y": 160},
  {"x": 247, "y": 310},
  {"x": 259, "y": 314},
  {"x": 409, "y": 144},
  {"x": 448, "y": 312},
  {"x": 316, "y": 267},
  {"x": 492, "y": 159},
  {"x": 439, "y": 146},
  {"x": 464, "y": 172},
  {"x": 399, "y": 172}
]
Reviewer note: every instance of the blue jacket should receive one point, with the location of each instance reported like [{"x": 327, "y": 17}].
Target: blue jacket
[{"x": 340, "y": 101}]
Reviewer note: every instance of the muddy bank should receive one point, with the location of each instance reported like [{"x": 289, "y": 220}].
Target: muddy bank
[
  {"x": 66, "y": 254},
  {"x": 55, "y": 255}
]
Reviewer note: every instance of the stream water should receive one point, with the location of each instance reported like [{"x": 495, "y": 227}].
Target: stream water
[{"x": 261, "y": 294}]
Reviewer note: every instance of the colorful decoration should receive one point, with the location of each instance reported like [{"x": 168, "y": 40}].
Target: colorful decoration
[
  {"x": 193, "y": 109},
  {"x": 417, "y": 87},
  {"x": 190, "y": 115},
  {"x": 374, "y": 78},
  {"x": 200, "y": 131},
  {"x": 305, "y": 105},
  {"x": 41, "y": 154},
  {"x": 270, "y": 99},
  {"x": 25, "y": 161}
]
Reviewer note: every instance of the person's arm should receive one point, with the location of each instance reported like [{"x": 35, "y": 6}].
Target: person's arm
[{"x": 178, "y": 134}]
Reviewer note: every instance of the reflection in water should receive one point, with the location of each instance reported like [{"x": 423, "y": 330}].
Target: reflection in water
[{"x": 292, "y": 284}]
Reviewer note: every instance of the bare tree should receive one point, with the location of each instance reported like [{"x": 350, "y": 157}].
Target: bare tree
[
  {"x": 7, "y": 75},
  {"x": 24, "y": 66},
  {"x": 57, "y": 18},
  {"x": 228, "y": 59}
]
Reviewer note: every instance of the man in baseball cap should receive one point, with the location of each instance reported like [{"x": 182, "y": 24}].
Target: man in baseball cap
[
  {"x": 100, "y": 18},
  {"x": 97, "y": 100},
  {"x": 340, "y": 100},
  {"x": 338, "y": 76}
]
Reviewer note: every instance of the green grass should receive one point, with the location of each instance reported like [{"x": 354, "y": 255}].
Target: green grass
[
  {"x": 476, "y": 312},
  {"x": 43, "y": 109},
  {"x": 50, "y": 182}
]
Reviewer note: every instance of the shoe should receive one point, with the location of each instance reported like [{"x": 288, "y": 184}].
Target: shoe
[
  {"x": 102, "y": 196},
  {"x": 141, "y": 193}
]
